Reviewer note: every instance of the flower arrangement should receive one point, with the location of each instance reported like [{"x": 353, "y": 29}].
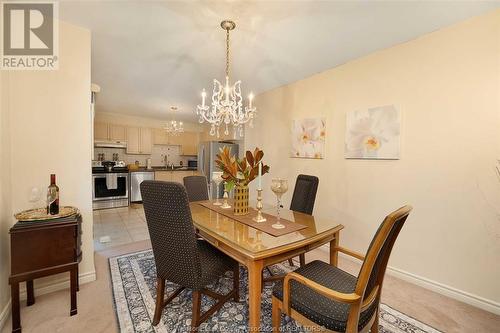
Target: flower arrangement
[{"x": 240, "y": 172}]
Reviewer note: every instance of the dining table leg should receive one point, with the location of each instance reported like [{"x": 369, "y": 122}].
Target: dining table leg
[
  {"x": 334, "y": 254},
  {"x": 254, "y": 294}
]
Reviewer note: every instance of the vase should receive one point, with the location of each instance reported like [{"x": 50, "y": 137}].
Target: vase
[{"x": 240, "y": 200}]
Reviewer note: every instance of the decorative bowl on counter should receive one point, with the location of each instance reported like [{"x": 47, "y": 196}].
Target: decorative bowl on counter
[{"x": 132, "y": 167}]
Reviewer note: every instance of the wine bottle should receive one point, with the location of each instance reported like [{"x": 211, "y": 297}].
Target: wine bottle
[{"x": 53, "y": 196}]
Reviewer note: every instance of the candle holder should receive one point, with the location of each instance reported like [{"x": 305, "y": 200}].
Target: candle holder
[
  {"x": 225, "y": 205},
  {"x": 259, "y": 218}
]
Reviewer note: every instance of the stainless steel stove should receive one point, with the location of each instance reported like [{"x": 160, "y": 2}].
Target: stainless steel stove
[{"x": 110, "y": 186}]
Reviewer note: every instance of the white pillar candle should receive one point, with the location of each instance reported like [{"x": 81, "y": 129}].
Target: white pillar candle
[{"x": 260, "y": 175}]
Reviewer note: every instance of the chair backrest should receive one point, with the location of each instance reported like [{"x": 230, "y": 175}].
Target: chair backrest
[
  {"x": 304, "y": 194},
  {"x": 171, "y": 231},
  {"x": 372, "y": 272},
  {"x": 196, "y": 187}
]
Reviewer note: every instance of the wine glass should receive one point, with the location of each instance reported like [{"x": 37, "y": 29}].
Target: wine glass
[
  {"x": 35, "y": 195},
  {"x": 217, "y": 179},
  {"x": 279, "y": 187}
]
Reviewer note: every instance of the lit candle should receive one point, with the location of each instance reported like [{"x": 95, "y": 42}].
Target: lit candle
[
  {"x": 260, "y": 176},
  {"x": 250, "y": 98},
  {"x": 203, "y": 96}
]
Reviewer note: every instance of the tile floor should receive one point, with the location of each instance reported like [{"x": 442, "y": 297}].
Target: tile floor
[{"x": 123, "y": 225}]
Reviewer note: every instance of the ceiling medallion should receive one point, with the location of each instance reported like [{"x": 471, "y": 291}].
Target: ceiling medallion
[{"x": 226, "y": 108}]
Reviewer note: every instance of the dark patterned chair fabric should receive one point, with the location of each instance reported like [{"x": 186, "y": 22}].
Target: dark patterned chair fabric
[
  {"x": 196, "y": 187},
  {"x": 304, "y": 194},
  {"x": 179, "y": 256},
  {"x": 318, "y": 308}
]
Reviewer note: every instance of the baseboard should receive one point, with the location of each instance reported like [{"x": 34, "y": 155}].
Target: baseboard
[
  {"x": 56, "y": 285},
  {"x": 4, "y": 315},
  {"x": 440, "y": 288}
]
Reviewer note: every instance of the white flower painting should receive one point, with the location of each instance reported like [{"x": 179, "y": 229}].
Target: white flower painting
[
  {"x": 308, "y": 138},
  {"x": 373, "y": 133}
]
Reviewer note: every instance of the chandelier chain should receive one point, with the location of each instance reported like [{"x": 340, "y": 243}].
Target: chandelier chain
[{"x": 227, "y": 52}]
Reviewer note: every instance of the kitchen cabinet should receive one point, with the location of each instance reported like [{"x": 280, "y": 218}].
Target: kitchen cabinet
[
  {"x": 146, "y": 142},
  {"x": 139, "y": 140},
  {"x": 174, "y": 176},
  {"x": 160, "y": 136},
  {"x": 189, "y": 145},
  {"x": 117, "y": 132},
  {"x": 188, "y": 141},
  {"x": 100, "y": 131},
  {"x": 133, "y": 138},
  {"x": 109, "y": 132}
]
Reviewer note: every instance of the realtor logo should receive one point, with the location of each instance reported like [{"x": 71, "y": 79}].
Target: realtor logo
[{"x": 29, "y": 36}]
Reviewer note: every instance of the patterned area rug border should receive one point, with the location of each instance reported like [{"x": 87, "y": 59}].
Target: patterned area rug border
[{"x": 133, "y": 279}]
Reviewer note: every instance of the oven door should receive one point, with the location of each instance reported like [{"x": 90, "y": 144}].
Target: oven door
[{"x": 101, "y": 192}]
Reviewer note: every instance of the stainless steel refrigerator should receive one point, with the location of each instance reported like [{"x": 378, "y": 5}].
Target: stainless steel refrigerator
[{"x": 206, "y": 162}]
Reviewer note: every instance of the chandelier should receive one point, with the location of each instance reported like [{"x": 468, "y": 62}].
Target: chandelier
[
  {"x": 227, "y": 104},
  {"x": 174, "y": 127}
]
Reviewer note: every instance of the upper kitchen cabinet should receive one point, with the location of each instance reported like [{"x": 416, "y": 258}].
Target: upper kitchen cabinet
[
  {"x": 160, "y": 136},
  {"x": 100, "y": 131},
  {"x": 117, "y": 132},
  {"x": 189, "y": 144},
  {"x": 146, "y": 143},
  {"x": 139, "y": 140},
  {"x": 109, "y": 132}
]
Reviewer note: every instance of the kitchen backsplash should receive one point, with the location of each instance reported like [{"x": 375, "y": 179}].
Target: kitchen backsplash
[{"x": 157, "y": 156}]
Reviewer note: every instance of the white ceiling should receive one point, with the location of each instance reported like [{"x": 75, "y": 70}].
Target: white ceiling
[{"x": 148, "y": 55}]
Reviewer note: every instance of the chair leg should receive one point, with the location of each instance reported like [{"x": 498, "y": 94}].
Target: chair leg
[
  {"x": 236, "y": 283},
  {"x": 374, "y": 328},
  {"x": 160, "y": 293},
  {"x": 276, "y": 315},
  {"x": 302, "y": 258},
  {"x": 195, "y": 322},
  {"x": 290, "y": 262}
]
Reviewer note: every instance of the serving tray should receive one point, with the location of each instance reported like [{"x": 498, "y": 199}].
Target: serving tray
[{"x": 40, "y": 214}]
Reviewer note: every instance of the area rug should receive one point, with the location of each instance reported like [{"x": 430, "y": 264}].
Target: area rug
[{"x": 134, "y": 290}]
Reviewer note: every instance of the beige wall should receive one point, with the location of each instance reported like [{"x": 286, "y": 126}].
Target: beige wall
[
  {"x": 447, "y": 85},
  {"x": 5, "y": 197},
  {"x": 128, "y": 120},
  {"x": 50, "y": 132}
]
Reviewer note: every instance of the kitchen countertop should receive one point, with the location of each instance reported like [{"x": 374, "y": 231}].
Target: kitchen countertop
[{"x": 162, "y": 168}]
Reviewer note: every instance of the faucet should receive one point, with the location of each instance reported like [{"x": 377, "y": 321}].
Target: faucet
[{"x": 167, "y": 163}]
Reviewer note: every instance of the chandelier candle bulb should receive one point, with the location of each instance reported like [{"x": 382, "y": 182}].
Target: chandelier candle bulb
[
  {"x": 250, "y": 98},
  {"x": 203, "y": 96}
]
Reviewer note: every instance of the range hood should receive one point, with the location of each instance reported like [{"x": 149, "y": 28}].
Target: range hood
[{"x": 110, "y": 144}]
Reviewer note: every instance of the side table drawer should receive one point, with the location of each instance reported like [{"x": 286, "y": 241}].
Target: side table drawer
[{"x": 37, "y": 249}]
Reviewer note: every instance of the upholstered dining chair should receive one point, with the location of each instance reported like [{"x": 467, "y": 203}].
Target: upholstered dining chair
[
  {"x": 304, "y": 196},
  {"x": 179, "y": 256},
  {"x": 196, "y": 187},
  {"x": 327, "y": 299}
]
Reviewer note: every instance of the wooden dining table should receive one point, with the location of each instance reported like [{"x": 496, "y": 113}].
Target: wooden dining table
[{"x": 256, "y": 249}]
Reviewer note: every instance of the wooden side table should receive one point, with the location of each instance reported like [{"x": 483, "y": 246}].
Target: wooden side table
[{"x": 42, "y": 248}]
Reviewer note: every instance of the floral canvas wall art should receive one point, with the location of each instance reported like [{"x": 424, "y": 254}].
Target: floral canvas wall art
[
  {"x": 373, "y": 133},
  {"x": 308, "y": 138}
]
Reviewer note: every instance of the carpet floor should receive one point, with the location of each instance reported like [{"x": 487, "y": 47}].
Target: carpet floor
[{"x": 134, "y": 289}]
